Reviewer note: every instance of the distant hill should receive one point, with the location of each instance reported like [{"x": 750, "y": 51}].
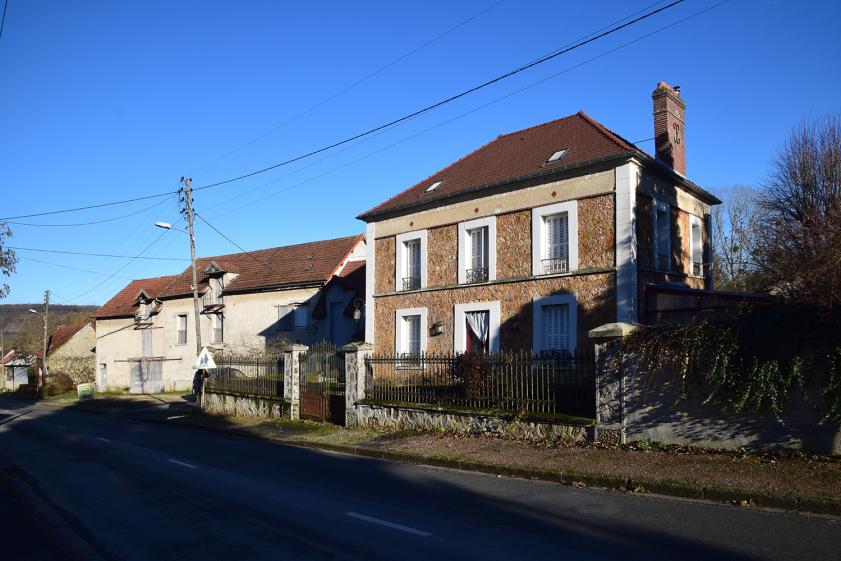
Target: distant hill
[{"x": 16, "y": 320}]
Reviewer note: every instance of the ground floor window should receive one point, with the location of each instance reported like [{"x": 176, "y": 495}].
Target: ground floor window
[
  {"x": 476, "y": 327},
  {"x": 410, "y": 331},
  {"x": 555, "y": 324}
]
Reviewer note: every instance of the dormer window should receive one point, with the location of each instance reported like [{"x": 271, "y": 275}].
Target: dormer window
[
  {"x": 556, "y": 156},
  {"x": 434, "y": 186}
]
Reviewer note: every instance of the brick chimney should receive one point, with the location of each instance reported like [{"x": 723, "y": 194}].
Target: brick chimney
[{"x": 670, "y": 126}]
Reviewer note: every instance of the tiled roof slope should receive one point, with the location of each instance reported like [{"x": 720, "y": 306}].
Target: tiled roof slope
[
  {"x": 312, "y": 262},
  {"x": 517, "y": 154},
  {"x": 123, "y": 303},
  {"x": 62, "y": 334}
]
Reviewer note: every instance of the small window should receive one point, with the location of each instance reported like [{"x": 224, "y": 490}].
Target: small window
[
  {"x": 434, "y": 186},
  {"x": 218, "y": 329},
  {"x": 182, "y": 329},
  {"x": 412, "y": 335},
  {"x": 696, "y": 247},
  {"x": 556, "y": 243},
  {"x": 662, "y": 238},
  {"x": 477, "y": 239},
  {"x": 301, "y": 317},
  {"x": 286, "y": 317},
  {"x": 413, "y": 265},
  {"x": 557, "y": 155}
]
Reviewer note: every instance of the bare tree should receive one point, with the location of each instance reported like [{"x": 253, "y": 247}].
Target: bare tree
[
  {"x": 8, "y": 259},
  {"x": 798, "y": 251},
  {"x": 734, "y": 236}
]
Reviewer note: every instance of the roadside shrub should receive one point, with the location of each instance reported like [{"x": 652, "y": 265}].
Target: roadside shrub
[
  {"x": 59, "y": 382},
  {"x": 472, "y": 373}
]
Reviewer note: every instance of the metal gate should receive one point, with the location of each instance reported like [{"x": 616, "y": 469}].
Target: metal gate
[{"x": 322, "y": 384}]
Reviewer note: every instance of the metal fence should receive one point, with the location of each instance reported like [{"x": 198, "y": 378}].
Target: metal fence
[
  {"x": 513, "y": 382},
  {"x": 260, "y": 376}
]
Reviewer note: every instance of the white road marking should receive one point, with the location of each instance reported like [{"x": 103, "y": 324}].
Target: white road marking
[
  {"x": 176, "y": 417},
  {"x": 388, "y": 524},
  {"x": 102, "y": 439},
  {"x": 185, "y": 464}
]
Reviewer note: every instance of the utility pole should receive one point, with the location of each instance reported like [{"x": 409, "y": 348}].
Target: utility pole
[
  {"x": 188, "y": 199},
  {"x": 43, "y": 374}
]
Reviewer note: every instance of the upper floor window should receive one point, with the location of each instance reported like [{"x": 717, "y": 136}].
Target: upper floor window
[
  {"x": 555, "y": 238},
  {"x": 662, "y": 237},
  {"x": 410, "y": 260},
  {"x": 477, "y": 250},
  {"x": 181, "y": 337},
  {"x": 696, "y": 246}
]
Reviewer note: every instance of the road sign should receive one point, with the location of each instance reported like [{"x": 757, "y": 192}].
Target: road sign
[
  {"x": 85, "y": 391},
  {"x": 204, "y": 360}
]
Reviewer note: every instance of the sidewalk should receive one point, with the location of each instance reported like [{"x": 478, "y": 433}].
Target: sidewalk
[{"x": 789, "y": 481}]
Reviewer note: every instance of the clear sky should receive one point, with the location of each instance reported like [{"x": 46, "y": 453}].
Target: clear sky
[{"x": 104, "y": 100}]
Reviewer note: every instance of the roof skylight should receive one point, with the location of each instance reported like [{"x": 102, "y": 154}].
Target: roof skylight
[
  {"x": 434, "y": 186},
  {"x": 557, "y": 155}
]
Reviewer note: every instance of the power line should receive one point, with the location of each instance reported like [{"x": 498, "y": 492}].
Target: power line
[
  {"x": 112, "y": 203},
  {"x": 88, "y": 223},
  {"x": 69, "y": 267},
  {"x": 254, "y": 257},
  {"x": 462, "y": 115},
  {"x": 351, "y": 86},
  {"x": 96, "y": 254},
  {"x": 445, "y": 101},
  {"x": 3, "y": 21}
]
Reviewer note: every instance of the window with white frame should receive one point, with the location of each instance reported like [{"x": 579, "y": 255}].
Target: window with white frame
[
  {"x": 476, "y": 327},
  {"x": 410, "y": 331},
  {"x": 662, "y": 236},
  {"x": 477, "y": 250},
  {"x": 696, "y": 246},
  {"x": 555, "y": 324},
  {"x": 410, "y": 262},
  {"x": 181, "y": 322},
  {"x": 217, "y": 335},
  {"x": 555, "y": 238}
]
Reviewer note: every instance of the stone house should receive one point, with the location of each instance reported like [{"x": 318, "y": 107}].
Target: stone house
[
  {"x": 249, "y": 301},
  {"x": 71, "y": 350},
  {"x": 537, "y": 237}
]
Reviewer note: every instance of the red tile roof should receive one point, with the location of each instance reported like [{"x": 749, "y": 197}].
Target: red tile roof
[
  {"x": 306, "y": 263},
  {"x": 516, "y": 155},
  {"x": 62, "y": 334}
]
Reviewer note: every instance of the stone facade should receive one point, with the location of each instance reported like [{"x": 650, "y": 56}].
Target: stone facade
[
  {"x": 407, "y": 418},
  {"x": 443, "y": 256}
]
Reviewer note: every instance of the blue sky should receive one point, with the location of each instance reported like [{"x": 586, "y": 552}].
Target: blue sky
[{"x": 106, "y": 100}]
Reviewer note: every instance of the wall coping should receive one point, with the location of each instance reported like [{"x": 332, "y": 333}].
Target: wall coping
[
  {"x": 612, "y": 330},
  {"x": 357, "y": 346},
  {"x": 296, "y": 347}
]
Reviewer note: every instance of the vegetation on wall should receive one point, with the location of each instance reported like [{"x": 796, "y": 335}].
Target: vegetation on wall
[{"x": 754, "y": 360}]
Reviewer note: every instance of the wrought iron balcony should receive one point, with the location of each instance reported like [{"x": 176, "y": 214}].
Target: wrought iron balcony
[
  {"x": 554, "y": 266},
  {"x": 212, "y": 300},
  {"x": 664, "y": 262},
  {"x": 479, "y": 274},
  {"x": 411, "y": 283}
]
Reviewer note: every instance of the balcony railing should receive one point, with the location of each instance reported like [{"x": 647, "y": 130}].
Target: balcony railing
[
  {"x": 554, "y": 266},
  {"x": 479, "y": 274},
  {"x": 663, "y": 262},
  {"x": 212, "y": 300},
  {"x": 697, "y": 269},
  {"x": 411, "y": 283}
]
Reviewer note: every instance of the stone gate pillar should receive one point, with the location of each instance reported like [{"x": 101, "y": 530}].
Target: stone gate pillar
[
  {"x": 356, "y": 371},
  {"x": 292, "y": 378},
  {"x": 610, "y": 384}
]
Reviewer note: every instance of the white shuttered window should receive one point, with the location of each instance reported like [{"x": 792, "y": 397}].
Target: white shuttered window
[
  {"x": 555, "y": 327},
  {"x": 413, "y": 259},
  {"x": 478, "y": 248},
  {"x": 412, "y": 335},
  {"x": 557, "y": 236}
]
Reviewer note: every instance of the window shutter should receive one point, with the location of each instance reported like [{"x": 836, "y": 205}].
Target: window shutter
[
  {"x": 478, "y": 248},
  {"x": 555, "y": 327},
  {"x": 412, "y": 328},
  {"x": 557, "y": 236}
]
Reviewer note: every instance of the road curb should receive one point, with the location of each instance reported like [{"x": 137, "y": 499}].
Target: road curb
[{"x": 673, "y": 488}]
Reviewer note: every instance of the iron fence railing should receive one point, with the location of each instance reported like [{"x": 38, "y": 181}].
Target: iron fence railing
[
  {"x": 212, "y": 298},
  {"x": 479, "y": 274},
  {"x": 322, "y": 370},
  {"x": 411, "y": 283},
  {"x": 261, "y": 376},
  {"x": 557, "y": 383},
  {"x": 554, "y": 266}
]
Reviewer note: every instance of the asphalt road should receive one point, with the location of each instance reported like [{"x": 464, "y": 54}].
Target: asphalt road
[{"x": 137, "y": 490}]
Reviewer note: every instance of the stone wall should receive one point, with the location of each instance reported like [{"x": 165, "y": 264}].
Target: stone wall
[
  {"x": 429, "y": 419},
  {"x": 244, "y": 406}
]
